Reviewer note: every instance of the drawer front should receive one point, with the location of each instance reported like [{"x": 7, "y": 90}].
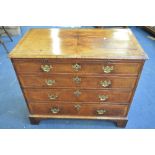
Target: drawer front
[
  {"x": 79, "y": 81},
  {"x": 78, "y": 109},
  {"x": 77, "y": 95},
  {"x": 101, "y": 67}
]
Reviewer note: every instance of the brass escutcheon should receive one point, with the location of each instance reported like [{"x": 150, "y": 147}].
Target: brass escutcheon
[
  {"x": 77, "y": 93},
  {"x": 52, "y": 96},
  {"x": 76, "y": 67},
  {"x": 108, "y": 69},
  {"x": 55, "y": 110},
  {"x": 101, "y": 111},
  {"x": 105, "y": 83},
  {"x": 46, "y": 68},
  {"x": 50, "y": 82},
  {"x": 77, "y": 107},
  {"x": 103, "y": 97},
  {"x": 77, "y": 80}
]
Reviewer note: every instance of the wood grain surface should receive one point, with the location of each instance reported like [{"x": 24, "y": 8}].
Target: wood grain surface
[
  {"x": 85, "y": 110},
  {"x": 69, "y": 81},
  {"x": 79, "y": 43},
  {"x": 63, "y": 73},
  {"x": 88, "y": 95},
  {"x": 87, "y": 67}
]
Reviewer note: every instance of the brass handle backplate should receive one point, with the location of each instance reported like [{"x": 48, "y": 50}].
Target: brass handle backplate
[
  {"x": 46, "y": 68},
  {"x": 108, "y": 69},
  {"x": 101, "y": 111},
  {"x": 77, "y": 107},
  {"x": 105, "y": 83},
  {"x": 77, "y": 80},
  {"x": 103, "y": 97},
  {"x": 55, "y": 110},
  {"x": 50, "y": 82},
  {"x": 52, "y": 96},
  {"x": 77, "y": 93},
  {"x": 76, "y": 67}
]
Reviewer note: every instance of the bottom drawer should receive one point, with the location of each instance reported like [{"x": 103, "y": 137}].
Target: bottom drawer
[{"x": 78, "y": 109}]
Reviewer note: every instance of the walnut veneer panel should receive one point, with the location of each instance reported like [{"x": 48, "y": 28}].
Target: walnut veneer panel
[
  {"x": 122, "y": 67},
  {"x": 73, "y": 95},
  {"x": 76, "y": 80},
  {"x": 84, "y": 109},
  {"x": 79, "y": 43}
]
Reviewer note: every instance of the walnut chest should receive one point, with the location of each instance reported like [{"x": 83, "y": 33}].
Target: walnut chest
[{"x": 78, "y": 73}]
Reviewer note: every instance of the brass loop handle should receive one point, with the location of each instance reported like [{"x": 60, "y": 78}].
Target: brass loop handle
[
  {"x": 46, "y": 68},
  {"x": 108, "y": 69},
  {"x": 76, "y": 67},
  {"x": 77, "y": 80},
  {"x": 77, "y": 107},
  {"x": 105, "y": 83},
  {"x": 77, "y": 93},
  {"x": 103, "y": 97},
  {"x": 55, "y": 110},
  {"x": 52, "y": 96},
  {"x": 101, "y": 111},
  {"x": 50, "y": 82}
]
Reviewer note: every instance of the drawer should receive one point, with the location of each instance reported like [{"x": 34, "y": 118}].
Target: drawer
[
  {"x": 80, "y": 81},
  {"x": 77, "y": 95},
  {"x": 88, "y": 67},
  {"x": 78, "y": 109}
]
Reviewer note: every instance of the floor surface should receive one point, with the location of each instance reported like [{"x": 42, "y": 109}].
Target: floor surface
[{"x": 13, "y": 110}]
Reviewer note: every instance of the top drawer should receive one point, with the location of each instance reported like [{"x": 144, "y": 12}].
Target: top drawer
[{"x": 77, "y": 66}]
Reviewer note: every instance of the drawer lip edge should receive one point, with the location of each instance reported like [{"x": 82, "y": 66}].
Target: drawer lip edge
[
  {"x": 85, "y": 103},
  {"x": 79, "y": 59},
  {"x": 78, "y": 117},
  {"x": 78, "y": 88}
]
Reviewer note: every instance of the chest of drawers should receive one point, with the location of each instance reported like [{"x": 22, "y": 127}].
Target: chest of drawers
[{"x": 78, "y": 73}]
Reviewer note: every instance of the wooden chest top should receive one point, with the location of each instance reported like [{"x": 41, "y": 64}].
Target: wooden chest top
[{"x": 79, "y": 43}]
